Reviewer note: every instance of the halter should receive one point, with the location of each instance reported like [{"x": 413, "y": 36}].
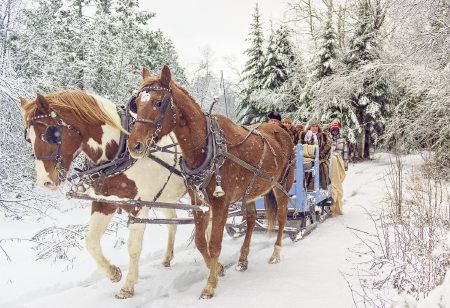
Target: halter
[
  {"x": 163, "y": 105},
  {"x": 53, "y": 135}
]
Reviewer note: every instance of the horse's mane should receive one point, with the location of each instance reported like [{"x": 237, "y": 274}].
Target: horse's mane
[{"x": 83, "y": 107}]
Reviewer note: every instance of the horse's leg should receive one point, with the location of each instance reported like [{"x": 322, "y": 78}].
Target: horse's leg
[
  {"x": 100, "y": 218},
  {"x": 219, "y": 220},
  {"x": 282, "y": 201},
  {"x": 172, "y": 230},
  {"x": 201, "y": 221},
  {"x": 134, "y": 250},
  {"x": 251, "y": 215}
]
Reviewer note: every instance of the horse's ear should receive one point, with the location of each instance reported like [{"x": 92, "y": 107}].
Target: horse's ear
[
  {"x": 42, "y": 103},
  {"x": 23, "y": 101},
  {"x": 166, "y": 76},
  {"x": 145, "y": 73}
]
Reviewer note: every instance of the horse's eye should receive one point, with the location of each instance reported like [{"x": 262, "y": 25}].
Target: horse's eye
[
  {"x": 42, "y": 137},
  {"x": 157, "y": 104}
]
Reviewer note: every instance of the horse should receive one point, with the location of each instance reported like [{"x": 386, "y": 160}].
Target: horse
[
  {"x": 192, "y": 130},
  {"x": 89, "y": 123}
]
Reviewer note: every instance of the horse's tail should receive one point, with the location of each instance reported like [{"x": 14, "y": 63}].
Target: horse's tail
[{"x": 271, "y": 207}]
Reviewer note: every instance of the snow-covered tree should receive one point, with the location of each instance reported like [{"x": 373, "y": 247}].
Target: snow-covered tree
[
  {"x": 253, "y": 73},
  {"x": 98, "y": 46},
  {"x": 274, "y": 72},
  {"x": 67, "y": 44},
  {"x": 371, "y": 104},
  {"x": 327, "y": 52}
]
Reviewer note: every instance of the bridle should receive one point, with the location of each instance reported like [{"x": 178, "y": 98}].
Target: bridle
[
  {"x": 53, "y": 135},
  {"x": 163, "y": 105}
]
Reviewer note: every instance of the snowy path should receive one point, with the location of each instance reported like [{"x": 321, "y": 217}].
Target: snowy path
[{"x": 310, "y": 273}]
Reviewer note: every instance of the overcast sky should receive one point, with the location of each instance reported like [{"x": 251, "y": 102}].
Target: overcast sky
[{"x": 224, "y": 25}]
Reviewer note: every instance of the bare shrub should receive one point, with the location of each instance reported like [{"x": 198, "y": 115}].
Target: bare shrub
[{"x": 409, "y": 255}]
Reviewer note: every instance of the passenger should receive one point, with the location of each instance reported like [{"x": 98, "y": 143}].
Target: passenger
[
  {"x": 299, "y": 127},
  {"x": 314, "y": 135},
  {"x": 287, "y": 123},
  {"x": 339, "y": 144},
  {"x": 274, "y": 118}
]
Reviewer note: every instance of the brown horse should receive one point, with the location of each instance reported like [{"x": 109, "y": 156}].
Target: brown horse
[
  {"x": 187, "y": 121},
  {"x": 91, "y": 124}
]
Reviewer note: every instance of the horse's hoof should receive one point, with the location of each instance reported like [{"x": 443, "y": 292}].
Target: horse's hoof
[
  {"x": 165, "y": 264},
  {"x": 222, "y": 270},
  {"x": 274, "y": 260},
  {"x": 124, "y": 294},
  {"x": 242, "y": 266},
  {"x": 206, "y": 296},
  {"x": 117, "y": 276}
]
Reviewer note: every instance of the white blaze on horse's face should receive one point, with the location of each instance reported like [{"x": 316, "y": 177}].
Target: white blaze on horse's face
[{"x": 43, "y": 177}]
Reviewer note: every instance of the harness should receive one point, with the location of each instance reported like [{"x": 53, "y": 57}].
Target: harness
[
  {"x": 216, "y": 152},
  {"x": 163, "y": 105},
  {"x": 121, "y": 162},
  {"x": 53, "y": 135}
]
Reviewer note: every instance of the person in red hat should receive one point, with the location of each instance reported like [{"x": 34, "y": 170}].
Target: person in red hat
[{"x": 339, "y": 144}]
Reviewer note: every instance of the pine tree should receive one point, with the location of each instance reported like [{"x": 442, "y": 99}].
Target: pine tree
[
  {"x": 274, "y": 72},
  {"x": 103, "y": 53},
  {"x": 327, "y": 53},
  {"x": 371, "y": 105},
  {"x": 323, "y": 65},
  {"x": 253, "y": 73},
  {"x": 285, "y": 50}
]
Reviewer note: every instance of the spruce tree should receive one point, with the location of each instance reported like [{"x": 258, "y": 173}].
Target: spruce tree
[
  {"x": 274, "y": 72},
  {"x": 253, "y": 73},
  {"x": 370, "y": 105},
  {"x": 327, "y": 52},
  {"x": 322, "y": 66},
  {"x": 63, "y": 48}
]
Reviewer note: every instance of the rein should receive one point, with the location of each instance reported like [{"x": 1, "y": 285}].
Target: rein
[{"x": 216, "y": 152}]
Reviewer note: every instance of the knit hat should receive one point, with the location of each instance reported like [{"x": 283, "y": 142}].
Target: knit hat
[
  {"x": 274, "y": 115},
  {"x": 299, "y": 125},
  {"x": 334, "y": 126}
]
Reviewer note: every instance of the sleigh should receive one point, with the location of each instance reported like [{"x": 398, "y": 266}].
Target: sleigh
[{"x": 313, "y": 207}]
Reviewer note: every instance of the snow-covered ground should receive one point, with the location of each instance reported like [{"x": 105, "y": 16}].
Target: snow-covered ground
[{"x": 310, "y": 274}]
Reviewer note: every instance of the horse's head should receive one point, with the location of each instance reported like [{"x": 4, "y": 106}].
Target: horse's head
[
  {"x": 55, "y": 143},
  {"x": 156, "y": 114}
]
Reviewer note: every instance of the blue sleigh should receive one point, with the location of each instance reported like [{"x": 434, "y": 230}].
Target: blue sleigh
[{"x": 313, "y": 206}]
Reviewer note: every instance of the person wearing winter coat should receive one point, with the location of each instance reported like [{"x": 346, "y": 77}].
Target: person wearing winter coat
[
  {"x": 339, "y": 143},
  {"x": 274, "y": 117},
  {"x": 287, "y": 123},
  {"x": 314, "y": 135}
]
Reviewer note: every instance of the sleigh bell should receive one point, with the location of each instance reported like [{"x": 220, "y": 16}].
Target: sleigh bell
[{"x": 218, "y": 192}]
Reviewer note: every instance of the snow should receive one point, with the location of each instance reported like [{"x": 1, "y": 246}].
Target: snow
[{"x": 313, "y": 271}]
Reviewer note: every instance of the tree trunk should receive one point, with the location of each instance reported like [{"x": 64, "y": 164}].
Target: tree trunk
[
  {"x": 361, "y": 143},
  {"x": 367, "y": 141}
]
